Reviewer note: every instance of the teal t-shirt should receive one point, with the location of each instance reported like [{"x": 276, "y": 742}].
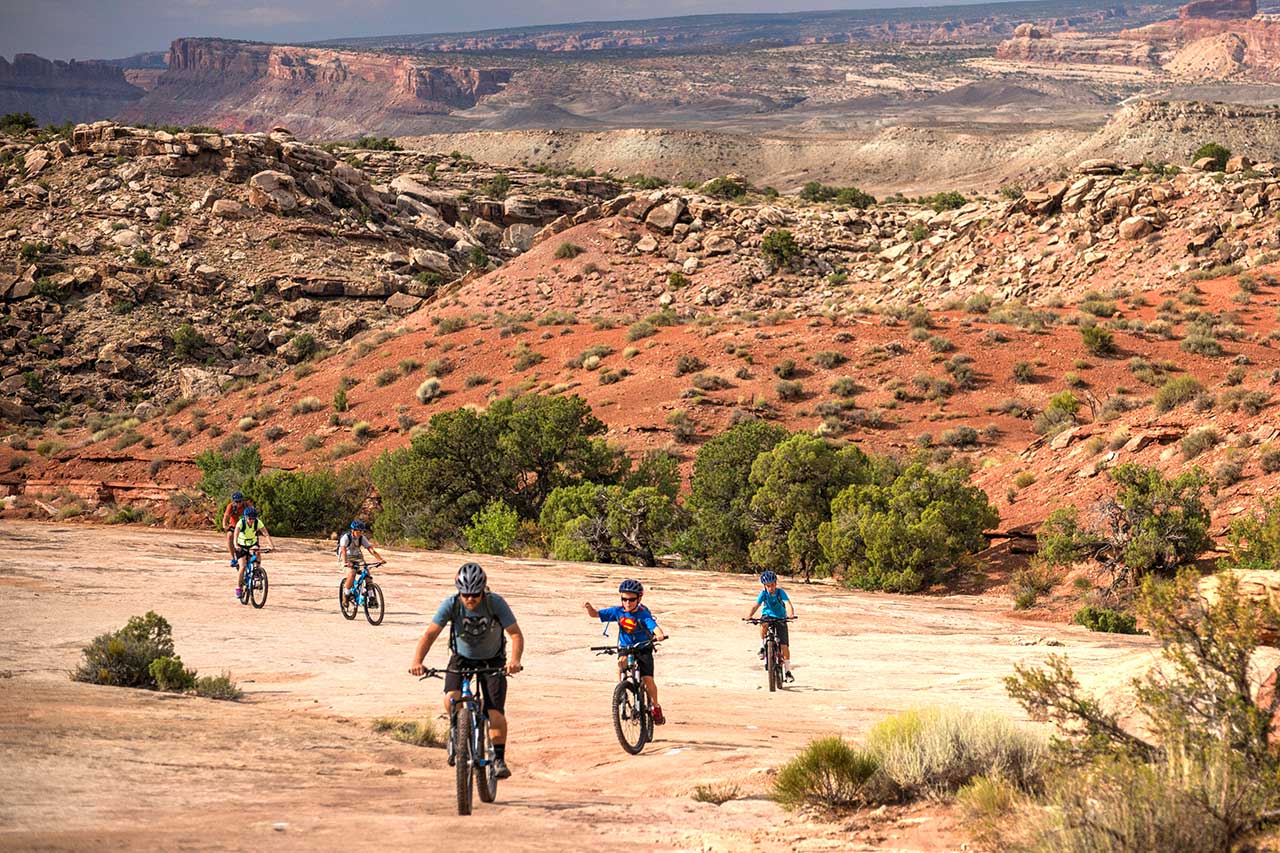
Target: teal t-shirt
[{"x": 774, "y": 605}]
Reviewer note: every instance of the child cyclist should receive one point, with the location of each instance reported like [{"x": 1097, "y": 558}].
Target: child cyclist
[
  {"x": 245, "y": 535},
  {"x": 777, "y": 605},
  {"x": 350, "y": 554},
  {"x": 636, "y": 626}
]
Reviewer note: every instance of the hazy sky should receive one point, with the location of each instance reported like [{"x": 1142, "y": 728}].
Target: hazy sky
[{"x": 110, "y": 29}]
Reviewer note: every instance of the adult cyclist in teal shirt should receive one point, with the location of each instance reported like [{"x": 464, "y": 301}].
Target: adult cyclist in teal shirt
[
  {"x": 776, "y": 606},
  {"x": 636, "y": 626}
]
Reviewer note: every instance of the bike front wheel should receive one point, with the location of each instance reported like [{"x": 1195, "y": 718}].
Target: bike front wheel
[
  {"x": 347, "y": 603},
  {"x": 462, "y": 759},
  {"x": 486, "y": 774},
  {"x": 771, "y": 665},
  {"x": 628, "y": 717},
  {"x": 258, "y": 589},
  {"x": 373, "y": 604}
]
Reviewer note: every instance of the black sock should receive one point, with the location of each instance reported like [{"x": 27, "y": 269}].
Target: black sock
[{"x": 500, "y": 751}]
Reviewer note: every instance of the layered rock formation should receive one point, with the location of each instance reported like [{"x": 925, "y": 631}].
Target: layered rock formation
[
  {"x": 1031, "y": 44},
  {"x": 56, "y": 92},
  {"x": 1225, "y": 10},
  {"x": 251, "y": 86}
]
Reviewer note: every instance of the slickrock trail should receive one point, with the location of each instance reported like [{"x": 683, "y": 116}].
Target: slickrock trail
[{"x": 296, "y": 766}]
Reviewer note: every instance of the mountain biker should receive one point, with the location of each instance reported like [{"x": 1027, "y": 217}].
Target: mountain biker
[
  {"x": 636, "y": 626},
  {"x": 230, "y": 516},
  {"x": 349, "y": 553},
  {"x": 246, "y": 534},
  {"x": 776, "y": 606},
  {"x": 477, "y": 619}
]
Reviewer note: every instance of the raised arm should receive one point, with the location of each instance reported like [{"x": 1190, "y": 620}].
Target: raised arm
[{"x": 591, "y": 611}]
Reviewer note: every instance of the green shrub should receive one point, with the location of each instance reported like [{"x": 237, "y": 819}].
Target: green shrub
[
  {"x": 1176, "y": 392},
  {"x": 492, "y": 530},
  {"x": 1097, "y": 340},
  {"x": 789, "y": 390},
  {"x": 934, "y": 752},
  {"x": 1198, "y": 441},
  {"x": 376, "y": 143},
  {"x": 829, "y": 359},
  {"x": 610, "y": 524},
  {"x": 1219, "y": 153},
  {"x": 1201, "y": 345},
  {"x": 123, "y": 658},
  {"x": 170, "y": 675},
  {"x": 689, "y": 364},
  {"x": 907, "y": 530},
  {"x": 1106, "y": 620},
  {"x": 300, "y": 503},
  {"x": 642, "y": 329},
  {"x": 224, "y": 473},
  {"x": 725, "y": 187},
  {"x": 568, "y": 251},
  {"x": 1253, "y": 541},
  {"x": 218, "y": 687},
  {"x": 187, "y": 341},
  {"x": 828, "y": 773},
  {"x": 717, "y": 794},
  {"x": 780, "y": 247},
  {"x": 340, "y": 402},
  {"x": 428, "y": 390},
  {"x": 307, "y": 405},
  {"x": 942, "y": 201},
  {"x": 1023, "y": 372}
]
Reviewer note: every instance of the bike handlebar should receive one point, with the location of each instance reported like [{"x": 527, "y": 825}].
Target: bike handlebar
[
  {"x": 357, "y": 565},
  {"x": 763, "y": 619},
  {"x": 485, "y": 671},
  {"x": 639, "y": 647}
]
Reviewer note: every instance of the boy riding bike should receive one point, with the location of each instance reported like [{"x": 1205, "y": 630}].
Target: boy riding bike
[
  {"x": 231, "y": 515},
  {"x": 349, "y": 551},
  {"x": 477, "y": 619},
  {"x": 776, "y": 606},
  {"x": 245, "y": 535},
  {"x": 636, "y": 626}
]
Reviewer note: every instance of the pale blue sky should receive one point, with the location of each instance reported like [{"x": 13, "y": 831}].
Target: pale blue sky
[{"x": 110, "y": 29}]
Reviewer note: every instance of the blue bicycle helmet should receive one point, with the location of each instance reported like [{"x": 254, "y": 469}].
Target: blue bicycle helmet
[
  {"x": 630, "y": 585},
  {"x": 767, "y": 578},
  {"x": 359, "y": 525},
  {"x": 238, "y": 497},
  {"x": 250, "y": 512}
]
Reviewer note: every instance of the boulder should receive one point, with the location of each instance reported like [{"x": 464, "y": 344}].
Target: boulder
[
  {"x": 226, "y": 208},
  {"x": 1238, "y": 163},
  {"x": 403, "y": 303},
  {"x": 664, "y": 217},
  {"x": 1100, "y": 166},
  {"x": 1260, "y": 585},
  {"x": 273, "y": 191},
  {"x": 430, "y": 261},
  {"x": 36, "y": 161},
  {"x": 1135, "y": 228},
  {"x": 14, "y": 412},
  {"x": 719, "y": 244},
  {"x": 519, "y": 237},
  {"x": 646, "y": 244},
  {"x": 1206, "y": 164}
]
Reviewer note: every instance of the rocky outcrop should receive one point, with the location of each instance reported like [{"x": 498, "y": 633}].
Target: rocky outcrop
[
  {"x": 56, "y": 91},
  {"x": 246, "y": 86},
  {"x": 1219, "y": 9},
  {"x": 1036, "y": 46}
]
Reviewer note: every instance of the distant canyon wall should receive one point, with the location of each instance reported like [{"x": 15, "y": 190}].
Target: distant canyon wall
[{"x": 55, "y": 91}]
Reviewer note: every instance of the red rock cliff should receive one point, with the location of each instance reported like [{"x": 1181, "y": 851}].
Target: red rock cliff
[
  {"x": 1223, "y": 10},
  {"x": 56, "y": 91}
]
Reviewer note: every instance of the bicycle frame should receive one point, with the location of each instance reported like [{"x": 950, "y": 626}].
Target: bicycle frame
[{"x": 364, "y": 576}]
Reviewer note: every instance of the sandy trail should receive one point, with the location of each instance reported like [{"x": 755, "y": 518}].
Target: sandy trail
[{"x": 296, "y": 765}]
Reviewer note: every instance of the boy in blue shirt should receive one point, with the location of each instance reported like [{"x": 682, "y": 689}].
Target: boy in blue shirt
[
  {"x": 636, "y": 626},
  {"x": 776, "y": 606}
]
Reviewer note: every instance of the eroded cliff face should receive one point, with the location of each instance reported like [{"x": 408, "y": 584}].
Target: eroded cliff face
[
  {"x": 56, "y": 91},
  {"x": 1221, "y": 9},
  {"x": 321, "y": 92},
  {"x": 1037, "y": 46}
]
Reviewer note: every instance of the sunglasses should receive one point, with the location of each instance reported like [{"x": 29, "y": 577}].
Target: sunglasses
[{"x": 630, "y": 598}]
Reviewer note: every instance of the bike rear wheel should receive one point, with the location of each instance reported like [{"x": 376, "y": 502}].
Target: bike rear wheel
[
  {"x": 771, "y": 665},
  {"x": 628, "y": 717},
  {"x": 258, "y": 588},
  {"x": 244, "y": 588},
  {"x": 373, "y": 604},
  {"x": 347, "y": 604},
  {"x": 462, "y": 759},
  {"x": 486, "y": 774}
]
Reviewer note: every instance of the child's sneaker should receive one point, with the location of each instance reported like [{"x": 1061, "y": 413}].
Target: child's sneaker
[
  {"x": 789, "y": 677},
  {"x": 760, "y": 654},
  {"x": 658, "y": 718},
  {"x": 239, "y": 591}
]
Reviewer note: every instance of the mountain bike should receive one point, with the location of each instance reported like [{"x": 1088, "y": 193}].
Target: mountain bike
[
  {"x": 255, "y": 584},
  {"x": 632, "y": 710},
  {"x": 367, "y": 593},
  {"x": 470, "y": 751},
  {"x": 773, "y": 667}
]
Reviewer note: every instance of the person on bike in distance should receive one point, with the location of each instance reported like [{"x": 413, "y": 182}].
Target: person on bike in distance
[
  {"x": 477, "y": 619},
  {"x": 230, "y": 516},
  {"x": 349, "y": 551},
  {"x": 776, "y": 606},
  {"x": 636, "y": 626},
  {"x": 246, "y": 535}
]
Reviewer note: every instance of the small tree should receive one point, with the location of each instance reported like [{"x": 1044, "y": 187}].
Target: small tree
[
  {"x": 1152, "y": 525},
  {"x": 493, "y": 530},
  {"x": 1098, "y": 341},
  {"x": 795, "y": 483},
  {"x": 1254, "y": 540},
  {"x": 780, "y": 247},
  {"x": 609, "y": 524},
  {"x": 225, "y": 473}
]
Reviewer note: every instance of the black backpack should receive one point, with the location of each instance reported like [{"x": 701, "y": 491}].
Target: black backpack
[{"x": 458, "y": 614}]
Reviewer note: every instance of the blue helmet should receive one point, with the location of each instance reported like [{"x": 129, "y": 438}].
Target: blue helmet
[
  {"x": 767, "y": 578},
  {"x": 250, "y": 512},
  {"x": 630, "y": 585},
  {"x": 238, "y": 497},
  {"x": 359, "y": 525}
]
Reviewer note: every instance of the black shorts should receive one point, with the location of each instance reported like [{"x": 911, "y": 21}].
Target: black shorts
[
  {"x": 495, "y": 686},
  {"x": 784, "y": 636},
  {"x": 245, "y": 550},
  {"x": 644, "y": 662}
]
